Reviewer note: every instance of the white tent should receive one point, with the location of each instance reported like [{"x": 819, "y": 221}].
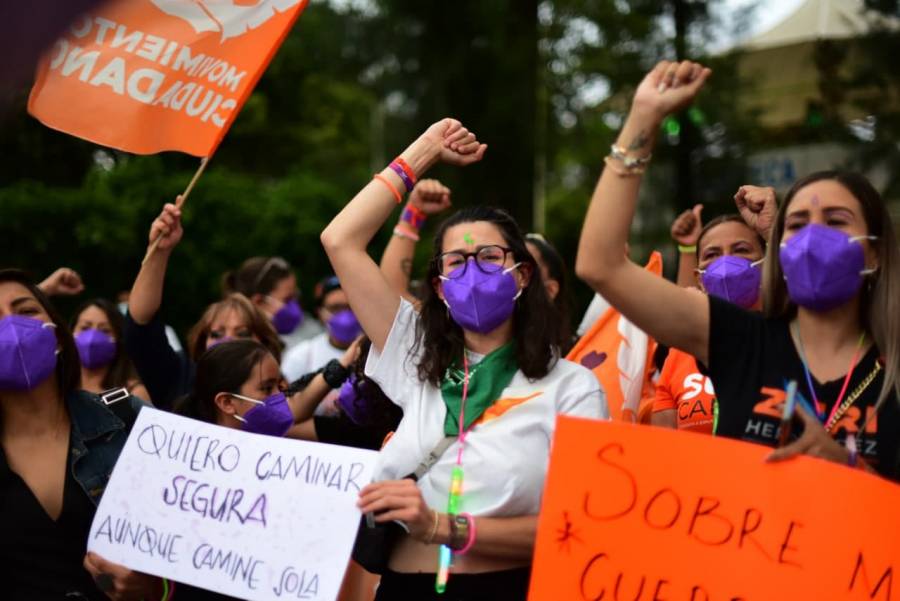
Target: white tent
[
  {"x": 779, "y": 64},
  {"x": 820, "y": 20}
]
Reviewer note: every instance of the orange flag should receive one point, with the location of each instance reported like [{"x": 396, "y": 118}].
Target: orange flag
[
  {"x": 146, "y": 76},
  {"x": 621, "y": 356},
  {"x": 655, "y": 514}
]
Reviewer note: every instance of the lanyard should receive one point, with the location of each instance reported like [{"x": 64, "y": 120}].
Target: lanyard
[
  {"x": 445, "y": 554},
  {"x": 809, "y": 382}
]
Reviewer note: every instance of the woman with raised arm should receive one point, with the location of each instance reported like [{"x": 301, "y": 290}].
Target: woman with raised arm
[
  {"x": 831, "y": 284},
  {"x": 168, "y": 374},
  {"x": 478, "y": 376},
  {"x": 729, "y": 267}
]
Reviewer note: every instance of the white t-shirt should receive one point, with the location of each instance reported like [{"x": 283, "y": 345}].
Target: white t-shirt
[
  {"x": 308, "y": 356},
  {"x": 506, "y": 451},
  {"x": 310, "y": 328}
]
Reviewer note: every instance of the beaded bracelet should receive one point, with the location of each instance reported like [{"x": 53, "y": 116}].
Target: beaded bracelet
[
  {"x": 390, "y": 186},
  {"x": 634, "y": 172},
  {"x": 620, "y": 154}
]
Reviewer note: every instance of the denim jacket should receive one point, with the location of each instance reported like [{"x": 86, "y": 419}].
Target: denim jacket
[{"x": 97, "y": 437}]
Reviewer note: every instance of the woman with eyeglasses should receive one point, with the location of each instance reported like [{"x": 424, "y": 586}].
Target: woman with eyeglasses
[
  {"x": 478, "y": 375},
  {"x": 166, "y": 373},
  {"x": 270, "y": 283},
  {"x": 831, "y": 280}
]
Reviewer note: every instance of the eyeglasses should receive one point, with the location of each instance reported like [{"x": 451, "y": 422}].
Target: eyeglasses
[{"x": 489, "y": 259}]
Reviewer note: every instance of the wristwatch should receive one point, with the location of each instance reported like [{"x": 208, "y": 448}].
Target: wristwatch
[
  {"x": 335, "y": 374},
  {"x": 459, "y": 531}
]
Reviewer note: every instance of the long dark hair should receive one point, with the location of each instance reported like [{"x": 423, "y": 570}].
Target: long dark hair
[
  {"x": 121, "y": 372},
  {"x": 256, "y": 275},
  {"x": 536, "y": 324},
  {"x": 68, "y": 365},
  {"x": 880, "y": 296},
  {"x": 556, "y": 267},
  {"x": 222, "y": 368}
]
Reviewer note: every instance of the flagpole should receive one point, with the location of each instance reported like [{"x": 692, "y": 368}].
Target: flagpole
[{"x": 178, "y": 204}]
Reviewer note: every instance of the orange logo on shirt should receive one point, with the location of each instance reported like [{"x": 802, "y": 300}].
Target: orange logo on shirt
[{"x": 502, "y": 406}]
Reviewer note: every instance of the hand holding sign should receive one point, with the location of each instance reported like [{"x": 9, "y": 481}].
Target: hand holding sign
[
  {"x": 622, "y": 520},
  {"x": 251, "y": 516},
  {"x": 119, "y": 583}
]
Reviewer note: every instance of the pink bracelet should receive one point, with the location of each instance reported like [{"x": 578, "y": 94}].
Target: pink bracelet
[{"x": 471, "y": 540}]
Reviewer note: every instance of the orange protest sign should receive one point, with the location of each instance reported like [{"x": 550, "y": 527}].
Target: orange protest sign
[
  {"x": 639, "y": 513},
  {"x": 151, "y": 75},
  {"x": 621, "y": 356}
]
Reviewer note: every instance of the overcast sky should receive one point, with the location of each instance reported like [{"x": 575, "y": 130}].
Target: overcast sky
[{"x": 768, "y": 12}]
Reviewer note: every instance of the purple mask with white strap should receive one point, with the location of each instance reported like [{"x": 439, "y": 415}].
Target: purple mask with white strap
[
  {"x": 734, "y": 279},
  {"x": 823, "y": 267},
  {"x": 95, "y": 348},
  {"x": 27, "y": 352}
]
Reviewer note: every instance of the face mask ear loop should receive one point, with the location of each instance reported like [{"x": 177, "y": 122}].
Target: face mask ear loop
[
  {"x": 760, "y": 262},
  {"x": 240, "y": 396},
  {"x": 239, "y": 418}
]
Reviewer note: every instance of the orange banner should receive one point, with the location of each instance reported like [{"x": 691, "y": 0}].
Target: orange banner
[
  {"x": 621, "y": 356},
  {"x": 145, "y": 76},
  {"x": 637, "y": 513}
]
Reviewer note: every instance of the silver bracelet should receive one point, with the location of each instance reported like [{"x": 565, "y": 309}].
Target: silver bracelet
[{"x": 620, "y": 154}]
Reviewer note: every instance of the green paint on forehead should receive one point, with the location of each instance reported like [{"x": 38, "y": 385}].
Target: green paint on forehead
[{"x": 469, "y": 240}]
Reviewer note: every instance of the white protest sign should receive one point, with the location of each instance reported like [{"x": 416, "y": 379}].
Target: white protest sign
[{"x": 252, "y": 516}]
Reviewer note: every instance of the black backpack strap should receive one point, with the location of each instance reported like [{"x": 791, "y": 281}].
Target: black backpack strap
[{"x": 118, "y": 400}]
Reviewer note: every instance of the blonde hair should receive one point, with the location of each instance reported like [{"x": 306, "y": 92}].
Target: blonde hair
[
  {"x": 880, "y": 294},
  {"x": 256, "y": 321}
]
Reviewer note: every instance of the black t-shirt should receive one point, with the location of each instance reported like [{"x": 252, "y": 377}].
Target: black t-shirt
[
  {"x": 42, "y": 557},
  {"x": 751, "y": 360}
]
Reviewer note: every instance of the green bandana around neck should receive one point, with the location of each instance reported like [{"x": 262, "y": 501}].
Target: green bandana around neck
[{"x": 487, "y": 379}]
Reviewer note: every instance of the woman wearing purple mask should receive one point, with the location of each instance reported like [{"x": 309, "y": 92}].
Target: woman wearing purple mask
[
  {"x": 478, "y": 376},
  {"x": 239, "y": 385},
  {"x": 831, "y": 284},
  {"x": 341, "y": 329},
  {"x": 58, "y": 446},
  {"x": 270, "y": 283},
  {"x": 730, "y": 255},
  {"x": 104, "y": 364}
]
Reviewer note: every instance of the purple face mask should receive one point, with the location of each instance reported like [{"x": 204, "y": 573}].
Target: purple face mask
[
  {"x": 823, "y": 267},
  {"x": 96, "y": 348},
  {"x": 27, "y": 352},
  {"x": 734, "y": 279},
  {"x": 352, "y": 403},
  {"x": 344, "y": 327},
  {"x": 478, "y": 301},
  {"x": 271, "y": 416},
  {"x": 288, "y": 317}
]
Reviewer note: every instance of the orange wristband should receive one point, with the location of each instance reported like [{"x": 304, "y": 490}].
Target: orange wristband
[{"x": 390, "y": 186}]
